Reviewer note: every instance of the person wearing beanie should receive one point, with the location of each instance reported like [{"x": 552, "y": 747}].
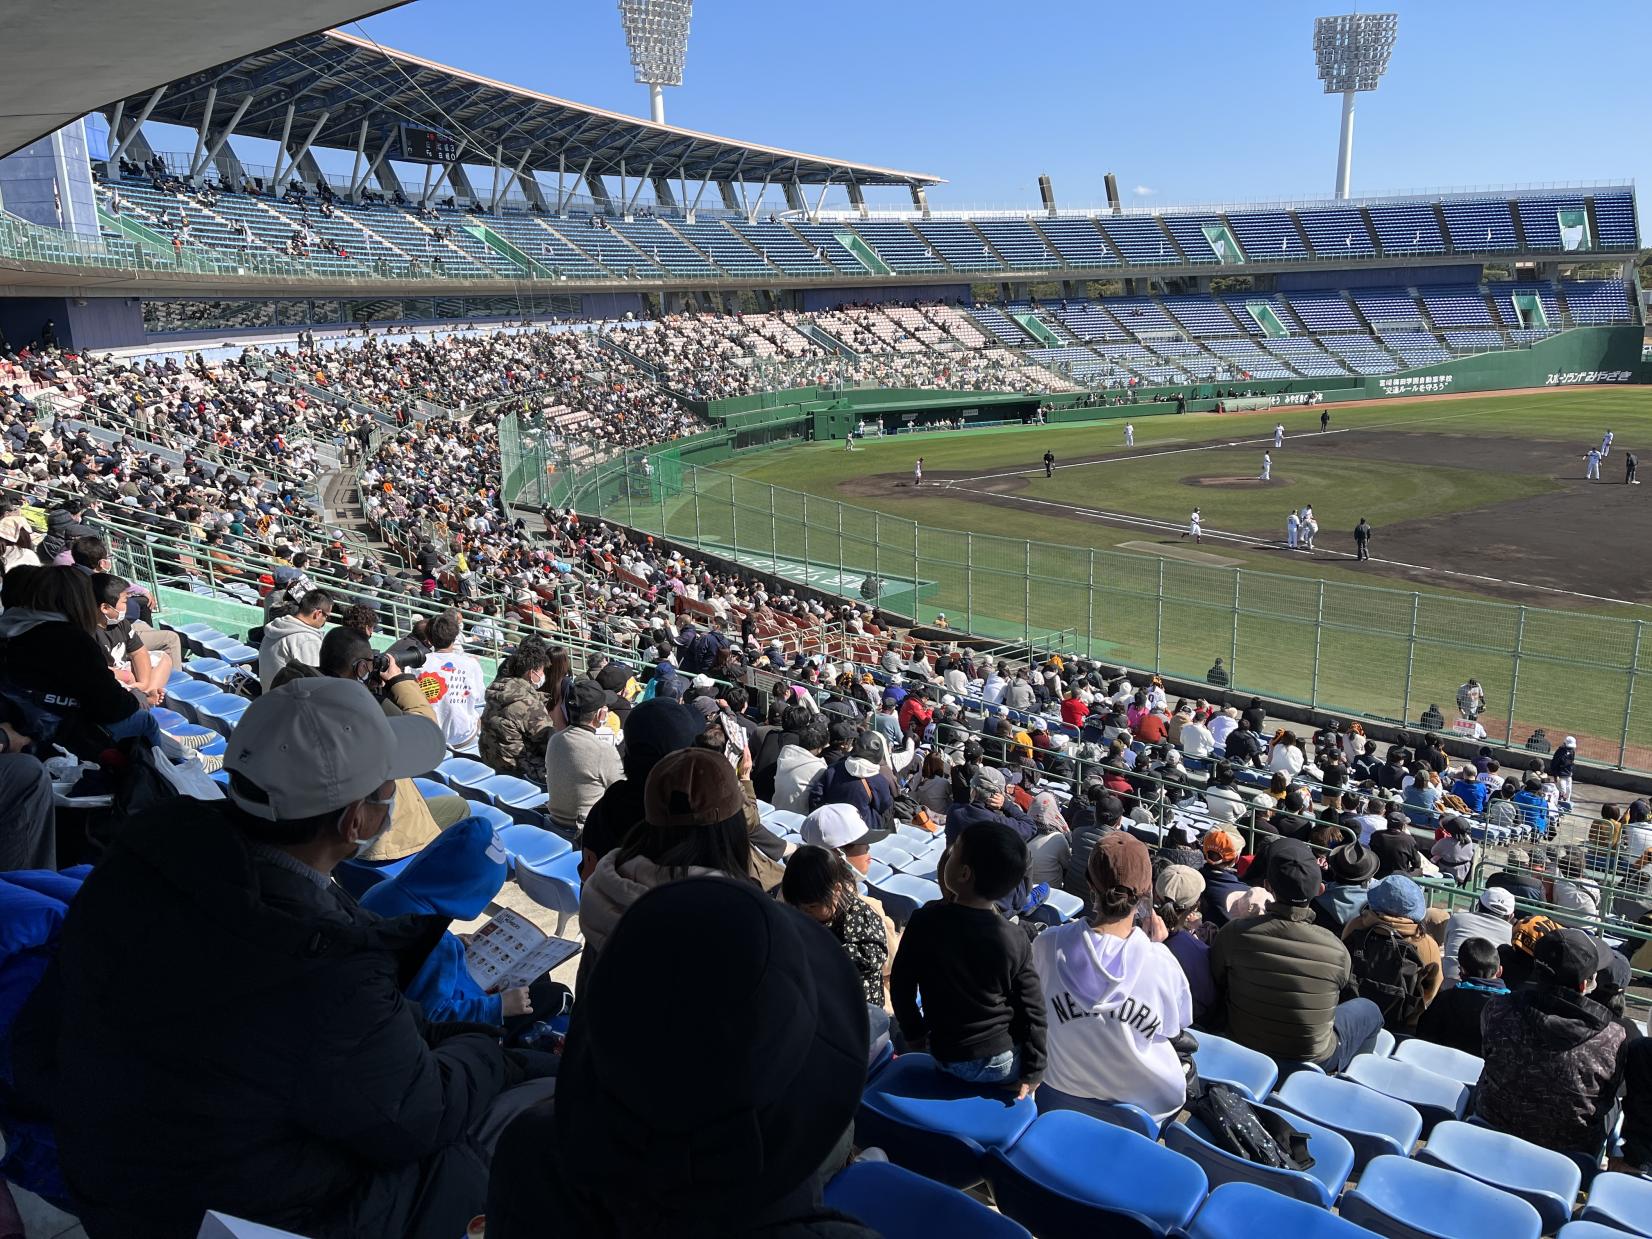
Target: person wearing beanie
[
  {"x": 1177, "y": 893},
  {"x": 697, "y": 1135},
  {"x": 982, "y": 1017},
  {"x": 694, "y": 825},
  {"x": 1453, "y": 1018},
  {"x": 1554, "y": 1056},
  {"x": 1349, "y": 869},
  {"x": 1490, "y": 918},
  {"x": 1396, "y": 961},
  {"x": 1222, "y": 880},
  {"x": 1280, "y": 977},
  {"x": 1115, "y": 1001}
]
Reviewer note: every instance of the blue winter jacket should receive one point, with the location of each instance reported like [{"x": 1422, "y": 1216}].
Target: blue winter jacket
[{"x": 456, "y": 876}]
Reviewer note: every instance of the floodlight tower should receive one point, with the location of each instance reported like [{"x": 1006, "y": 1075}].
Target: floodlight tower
[
  {"x": 1352, "y": 52},
  {"x": 657, "y": 33}
]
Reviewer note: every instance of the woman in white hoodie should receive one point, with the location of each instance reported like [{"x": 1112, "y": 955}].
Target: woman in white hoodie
[{"x": 1114, "y": 1000}]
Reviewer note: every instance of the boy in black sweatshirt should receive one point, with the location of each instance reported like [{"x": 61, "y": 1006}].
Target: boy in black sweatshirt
[{"x": 983, "y": 1009}]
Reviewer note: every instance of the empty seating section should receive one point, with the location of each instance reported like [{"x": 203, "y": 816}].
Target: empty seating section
[
  {"x": 1387, "y": 305},
  {"x": 1140, "y": 239},
  {"x": 725, "y": 248},
  {"x": 963, "y": 248},
  {"x": 1407, "y": 228},
  {"x": 609, "y": 248},
  {"x": 1267, "y": 236},
  {"x": 1362, "y": 353},
  {"x": 1457, "y": 307},
  {"x": 547, "y": 246},
  {"x": 1240, "y": 306},
  {"x": 1089, "y": 320},
  {"x": 1019, "y": 243},
  {"x": 1417, "y": 348},
  {"x": 1079, "y": 241},
  {"x": 899, "y": 246},
  {"x": 1337, "y": 232},
  {"x": 1504, "y": 298},
  {"x": 1202, "y": 316},
  {"x": 1306, "y": 356},
  {"x": 1474, "y": 341},
  {"x": 822, "y": 237},
  {"x": 781, "y": 246},
  {"x": 664, "y": 247},
  {"x": 1142, "y": 316},
  {"x": 1597, "y": 302},
  {"x": 1247, "y": 359},
  {"x": 1002, "y": 327},
  {"x": 1190, "y": 235},
  {"x": 1324, "y": 312},
  {"x": 1480, "y": 224},
  {"x": 1540, "y": 218},
  {"x": 1615, "y": 221}
]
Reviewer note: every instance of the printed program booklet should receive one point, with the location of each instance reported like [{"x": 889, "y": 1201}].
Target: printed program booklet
[{"x": 510, "y": 952}]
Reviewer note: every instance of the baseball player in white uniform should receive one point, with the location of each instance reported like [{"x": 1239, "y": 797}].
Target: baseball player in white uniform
[
  {"x": 1606, "y": 444},
  {"x": 1129, "y": 434},
  {"x": 1307, "y": 527},
  {"x": 1267, "y": 467},
  {"x": 1593, "y": 457},
  {"x": 1193, "y": 528},
  {"x": 918, "y": 472},
  {"x": 1291, "y": 524},
  {"x": 1279, "y": 435}
]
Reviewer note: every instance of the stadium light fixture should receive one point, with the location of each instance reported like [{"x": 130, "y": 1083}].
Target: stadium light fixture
[
  {"x": 1352, "y": 52},
  {"x": 657, "y": 33}
]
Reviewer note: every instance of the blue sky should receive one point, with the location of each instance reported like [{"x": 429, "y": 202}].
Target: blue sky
[{"x": 1192, "y": 101}]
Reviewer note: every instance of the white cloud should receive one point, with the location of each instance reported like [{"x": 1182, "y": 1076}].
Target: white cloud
[{"x": 1142, "y": 191}]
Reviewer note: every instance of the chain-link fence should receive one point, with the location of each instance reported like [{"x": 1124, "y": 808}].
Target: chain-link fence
[{"x": 1383, "y": 653}]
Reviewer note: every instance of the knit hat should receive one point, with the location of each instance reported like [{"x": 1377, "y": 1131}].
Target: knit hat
[
  {"x": 1398, "y": 895},
  {"x": 1221, "y": 847},
  {"x": 696, "y": 1131},
  {"x": 1180, "y": 885}
]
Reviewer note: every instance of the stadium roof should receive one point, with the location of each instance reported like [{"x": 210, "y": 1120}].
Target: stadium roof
[
  {"x": 351, "y": 79},
  {"x": 63, "y": 59}
]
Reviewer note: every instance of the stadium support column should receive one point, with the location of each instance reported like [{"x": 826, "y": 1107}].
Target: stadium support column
[
  {"x": 1629, "y": 696},
  {"x": 794, "y": 196},
  {"x": 1345, "y": 150},
  {"x": 920, "y": 200},
  {"x": 731, "y": 200},
  {"x": 857, "y": 198},
  {"x": 662, "y": 192},
  {"x": 1514, "y": 675},
  {"x": 599, "y": 191}
]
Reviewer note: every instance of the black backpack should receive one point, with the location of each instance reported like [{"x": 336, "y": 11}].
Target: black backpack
[
  {"x": 1235, "y": 1126},
  {"x": 1389, "y": 972}
]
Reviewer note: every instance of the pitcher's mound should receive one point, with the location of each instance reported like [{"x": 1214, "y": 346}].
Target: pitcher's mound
[{"x": 1229, "y": 482}]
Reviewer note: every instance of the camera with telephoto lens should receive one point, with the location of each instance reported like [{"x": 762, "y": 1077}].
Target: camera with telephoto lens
[{"x": 407, "y": 652}]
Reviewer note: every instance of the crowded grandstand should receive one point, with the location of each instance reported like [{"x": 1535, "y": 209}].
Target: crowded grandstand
[{"x": 382, "y": 653}]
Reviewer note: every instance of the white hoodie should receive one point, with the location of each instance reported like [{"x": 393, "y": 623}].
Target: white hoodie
[
  {"x": 1112, "y": 1006},
  {"x": 793, "y": 772}
]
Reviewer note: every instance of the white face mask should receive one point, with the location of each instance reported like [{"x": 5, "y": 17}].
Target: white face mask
[{"x": 389, "y": 806}]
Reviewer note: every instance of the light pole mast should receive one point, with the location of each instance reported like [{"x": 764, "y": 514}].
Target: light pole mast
[
  {"x": 1352, "y": 53},
  {"x": 657, "y": 33}
]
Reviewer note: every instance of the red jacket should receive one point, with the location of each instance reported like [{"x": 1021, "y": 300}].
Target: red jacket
[
  {"x": 1074, "y": 712},
  {"x": 915, "y": 713}
]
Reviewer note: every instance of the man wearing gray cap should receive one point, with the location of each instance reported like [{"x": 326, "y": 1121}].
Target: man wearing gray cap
[{"x": 225, "y": 1027}]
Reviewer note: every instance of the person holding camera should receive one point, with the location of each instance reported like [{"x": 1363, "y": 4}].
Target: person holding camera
[{"x": 346, "y": 654}]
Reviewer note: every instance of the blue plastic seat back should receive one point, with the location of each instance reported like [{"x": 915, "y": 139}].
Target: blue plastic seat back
[
  {"x": 901, "y": 1205},
  {"x": 936, "y": 1124},
  {"x": 1620, "y": 1200},
  {"x": 1588, "y": 1230},
  {"x": 464, "y": 772},
  {"x": 1436, "y": 1098},
  {"x": 1071, "y": 1174},
  {"x": 1318, "y": 1185},
  {"x": 481, "y": 808},
  {"x": 360, "y": 876},
  {"x": 532, "y": 844},
  {"x": 431, "y": 787},
  {"x": 1546, "y": 1180},
  {"x": 1442, "y": 1060},
  {"x": 1228, "y": 1062},
  {"x": 1372, "y": 1123},
  {"x": 1246, "y": 1211},
  {"x": 1400, "y": 1197},
  {"x": 1119, "y": 1113}
]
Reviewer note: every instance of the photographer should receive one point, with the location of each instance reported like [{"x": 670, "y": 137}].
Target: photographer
[{"x": 347, "y": 655}]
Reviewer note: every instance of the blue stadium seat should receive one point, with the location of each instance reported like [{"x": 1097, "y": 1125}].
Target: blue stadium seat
[
  {"x": 898, "y": 1204},
  {"x": 1066, "y": 905},
  {"x": 1372, "y": 1123},
  {"x": 221, "y": 711},
  {"x": 431, "y": 787},
  {"x": 532, "y": 845},
  {"x": 492, "y": 814},
  {"x": 464, "y": 773},
  {"x": 523, "y": 800},
  {"x": 183, "y": 697},
  {"x": 1385, "y": 1044},
  {"x": 1228, "y": 1062},
  {"x": 1246, "y": 1211},
  {"x": 1405, "y": 1199},
  {"x": 237, "y": 652},
  {"x": 936, "y": 1124},
  {"x": 1619, "y": 1200},
  {"x": 1070, "y": 1176},
  {"x": 205, "y": 668},
  {"x": 1119, "y": 1113},
  {"x": 554, "y": 885},
  {"x": 877, "y": 873},
  {"x": 1318, "y": 1185},
  {"x": 1436, "y": 1097},
  {"x": 1589, "y": 1230},
  {"x": 1441, "y": 1060},
  {"x": 783, "y": 821},
  {"x": 902, "y": 894},
  {"x": 892, "y": 852},
  {"x": 1546, "y": 1180},
  {"x": 360, "y": 876}
]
